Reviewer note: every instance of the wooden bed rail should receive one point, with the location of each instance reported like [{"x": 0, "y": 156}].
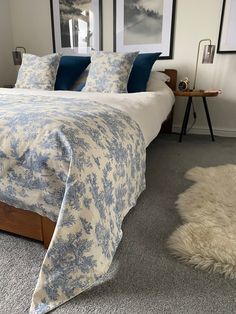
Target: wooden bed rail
[{"x": 26, "y": 223}]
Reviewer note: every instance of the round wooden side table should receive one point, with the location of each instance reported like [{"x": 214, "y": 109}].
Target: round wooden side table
[{"x": 195, "y": 93}]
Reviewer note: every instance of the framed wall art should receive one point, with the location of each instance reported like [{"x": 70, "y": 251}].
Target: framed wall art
[
  {"x": 76, "y": 26},
  {"x": 145, "y": 26},
  {"x": 227, "y": 33}
]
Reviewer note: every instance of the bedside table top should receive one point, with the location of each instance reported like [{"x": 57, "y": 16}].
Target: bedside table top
[{"x": 197, "y": 93}]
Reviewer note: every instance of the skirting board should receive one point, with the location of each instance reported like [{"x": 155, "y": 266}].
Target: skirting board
[{"x": 205, "y": 131}]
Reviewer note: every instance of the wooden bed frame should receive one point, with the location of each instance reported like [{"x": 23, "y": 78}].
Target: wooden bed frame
[
  {"x": 34, "y": 226},
  {"x": 167, "y": 125}
]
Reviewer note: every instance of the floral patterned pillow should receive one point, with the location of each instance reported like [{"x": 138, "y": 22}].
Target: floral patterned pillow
[
  {"x": 38, "y": 72},
  {"x": 109, "y": 72}
]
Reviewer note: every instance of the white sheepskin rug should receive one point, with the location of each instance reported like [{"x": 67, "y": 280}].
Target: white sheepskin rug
[{"x": 207, "y": 240}]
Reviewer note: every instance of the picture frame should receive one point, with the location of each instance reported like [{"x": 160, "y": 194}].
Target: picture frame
[
  {"x": 76, "y": 26},
  {"x": 145, "y": 26},
  {"x": 227, "y": 34}
]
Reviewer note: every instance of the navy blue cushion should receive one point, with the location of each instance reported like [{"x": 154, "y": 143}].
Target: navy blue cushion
[
  {"x": 141, "y": 71},
  {"x": 70, "y": 69}
]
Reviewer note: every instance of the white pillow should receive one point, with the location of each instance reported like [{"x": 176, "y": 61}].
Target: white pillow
[
  {"x": 38, "y": 72},
  {"x": 81, "y": 80},
  {"x": 162, "y": 76},
  {"x": 157, "y": 81}
]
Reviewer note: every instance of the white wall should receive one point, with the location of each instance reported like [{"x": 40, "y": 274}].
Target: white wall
[
  {"x": 7, "y": 70},
  {"x": 31, "y": 23},
  {"x": 195, "y": 20}
]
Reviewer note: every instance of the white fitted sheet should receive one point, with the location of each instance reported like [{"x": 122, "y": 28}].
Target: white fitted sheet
[{"x": 148, "y": 109}]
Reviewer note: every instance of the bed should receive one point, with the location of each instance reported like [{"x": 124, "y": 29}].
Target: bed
[{"x": 35, "y": 224}]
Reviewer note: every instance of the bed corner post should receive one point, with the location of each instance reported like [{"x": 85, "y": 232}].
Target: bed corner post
[{"x": 48, "y": 227}]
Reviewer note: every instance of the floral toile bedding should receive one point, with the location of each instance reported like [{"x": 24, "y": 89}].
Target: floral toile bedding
[{"x": 81, "y": 163}]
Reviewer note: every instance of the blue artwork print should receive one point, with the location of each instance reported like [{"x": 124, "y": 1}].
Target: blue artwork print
[{"x": 80, "y": 163}]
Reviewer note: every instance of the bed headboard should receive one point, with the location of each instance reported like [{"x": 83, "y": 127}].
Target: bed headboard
[{"x": 173, "y": 78}]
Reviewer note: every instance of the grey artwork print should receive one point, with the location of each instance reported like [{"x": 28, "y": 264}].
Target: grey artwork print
[
  {"x": 76, "y": 26},
  {"x": 145, "y": 26},
  {"x": 143, "y": 21},
  {"x": 75, "y": 22}
]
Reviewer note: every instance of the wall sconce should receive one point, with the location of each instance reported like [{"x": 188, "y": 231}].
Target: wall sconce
[
  {"x": 208, "y": 56},
  {"x": 17, "y": 55}
]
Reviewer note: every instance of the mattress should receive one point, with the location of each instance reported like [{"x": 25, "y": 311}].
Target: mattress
[{"x": 148, "y": 109}]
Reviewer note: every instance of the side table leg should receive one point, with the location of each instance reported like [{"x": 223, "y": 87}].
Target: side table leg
[
  {"x": 208, "y": 118},
  {"x": 185, "y": 120},
  {"x": 188, "y": 113}
]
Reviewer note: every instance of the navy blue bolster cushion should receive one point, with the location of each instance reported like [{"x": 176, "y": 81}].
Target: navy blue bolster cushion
[
  {"x": 141, "y": 70},
  {"x": 70, "y": 69}
]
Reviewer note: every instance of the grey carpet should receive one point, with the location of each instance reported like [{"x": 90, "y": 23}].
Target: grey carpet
[{"x": 143, "y": 278}]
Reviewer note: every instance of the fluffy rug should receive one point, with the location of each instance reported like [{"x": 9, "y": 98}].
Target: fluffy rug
[{"x": 207, "y": 240}]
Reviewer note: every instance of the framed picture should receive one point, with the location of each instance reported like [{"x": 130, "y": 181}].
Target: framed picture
[
  {"x": 76, "y": 26},
  {"x": 227, "y": 34},
  {"x": 145, "y": 26}
]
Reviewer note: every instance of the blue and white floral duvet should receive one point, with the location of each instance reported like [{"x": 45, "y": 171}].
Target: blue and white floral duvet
[{"x": 80, "y": 163}]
